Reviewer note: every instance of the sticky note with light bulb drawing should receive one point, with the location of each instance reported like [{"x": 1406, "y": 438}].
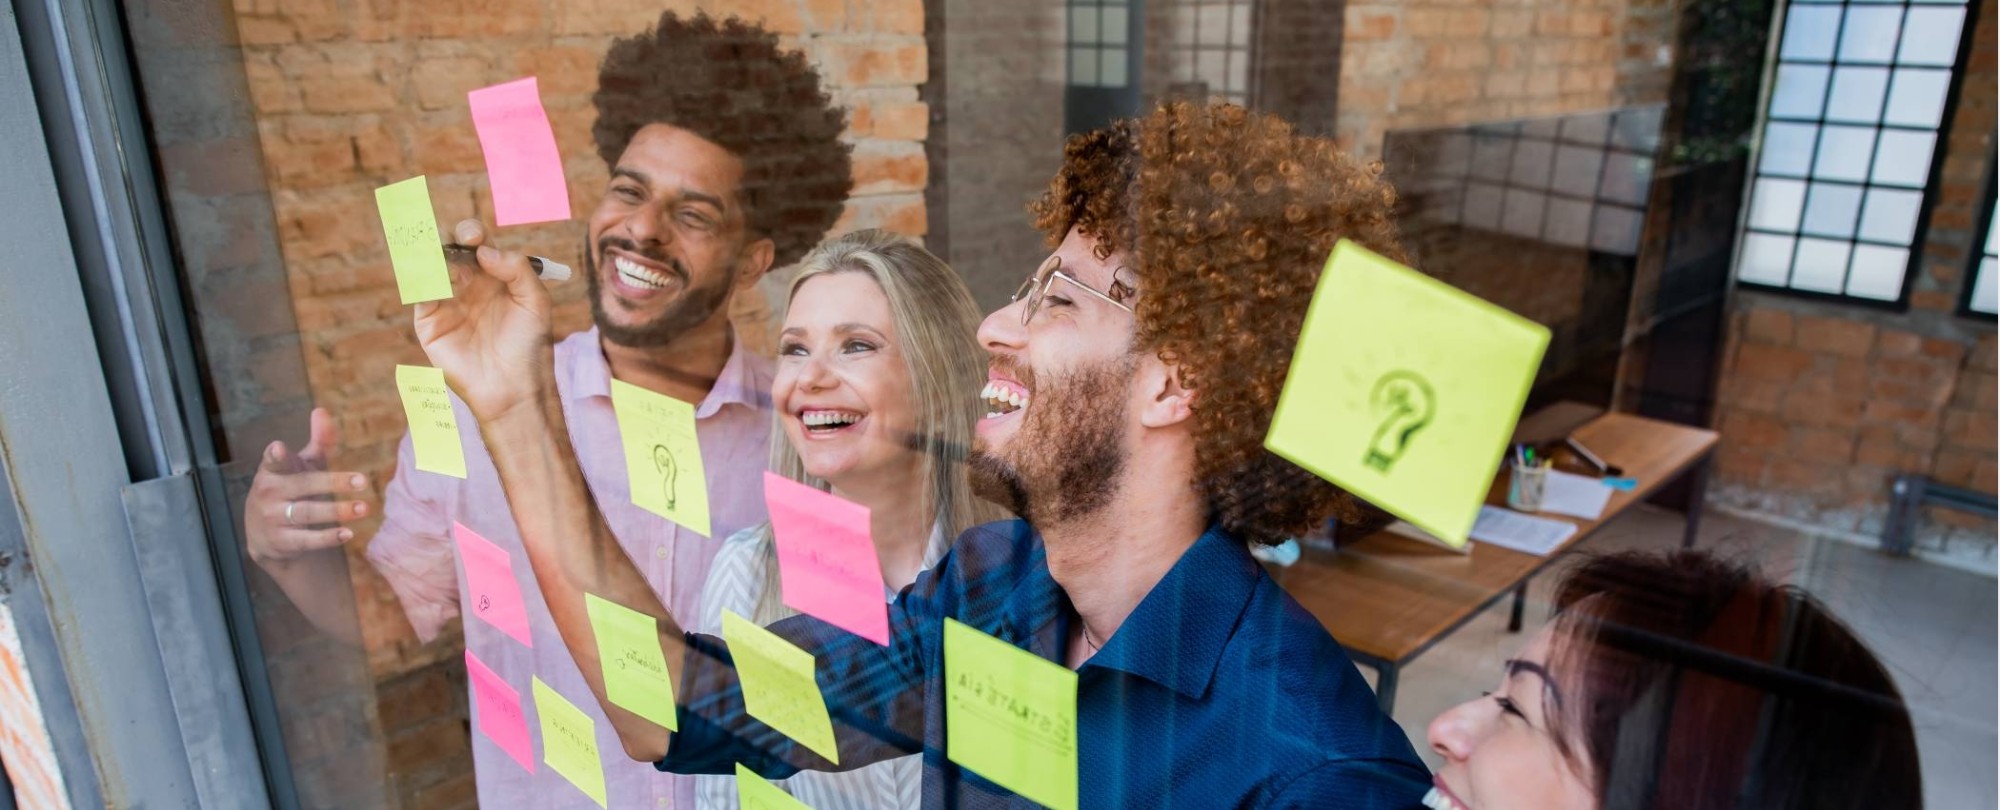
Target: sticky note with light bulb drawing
[
  {"x": 662, "y": 458},
  {"x": 1404, "y": 390}
]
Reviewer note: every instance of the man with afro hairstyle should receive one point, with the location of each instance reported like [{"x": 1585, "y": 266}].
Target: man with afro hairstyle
[
  {"x": 1130, "y": 385},
  {"x": 725, "y": 161}
]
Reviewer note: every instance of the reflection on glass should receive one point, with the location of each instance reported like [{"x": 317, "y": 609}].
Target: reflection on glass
[
  {"x": 1930, "y": 36},
  {"x": 1869, "y": 34},
  {"x": 1765, "y": 259},
  {"x": 1843, "y": 153},
  {"x": 1787, "y": 149}
]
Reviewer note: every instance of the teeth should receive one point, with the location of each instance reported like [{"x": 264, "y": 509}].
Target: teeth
[
  {"x": 825, "y": 418},
  {"x": 638, "y": 276},
  {"x": 1437, "y": 800},
  {"x": 1002, "y": 400}
]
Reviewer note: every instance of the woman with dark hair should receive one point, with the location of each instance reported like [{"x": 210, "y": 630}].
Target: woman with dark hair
[{"x": 1682, "y": 682}]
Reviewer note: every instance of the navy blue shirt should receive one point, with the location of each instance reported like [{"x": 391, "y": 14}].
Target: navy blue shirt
[{"x": 1218, "y": 690}]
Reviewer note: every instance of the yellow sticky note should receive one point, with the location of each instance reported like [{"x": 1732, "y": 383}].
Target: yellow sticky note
[
  {"x": 662, "y": 458},
  {"x": 753, "y": 793},
  {"x": 635, "y": 670},
  {"x": 1404, "y": 390},
  {"x": 433, "y": 425},
  {"x": 414, "y": 248},
  {"x": 569, "y": 742},
  {"x": 778, "y": 685},
  {"x": 1010, "y": 716}
]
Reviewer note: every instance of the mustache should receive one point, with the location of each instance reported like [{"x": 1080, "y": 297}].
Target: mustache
[
  {"x": 1015, "y": 369},
  {"x": 673, "y": 265}
]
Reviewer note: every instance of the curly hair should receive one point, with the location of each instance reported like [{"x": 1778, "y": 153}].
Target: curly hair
[
  {"x": 729, "y": 83},
  {"x": 1228, "y": 216}
]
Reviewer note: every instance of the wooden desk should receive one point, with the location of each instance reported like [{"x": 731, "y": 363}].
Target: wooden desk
[{"x": 1387, "y": 599}]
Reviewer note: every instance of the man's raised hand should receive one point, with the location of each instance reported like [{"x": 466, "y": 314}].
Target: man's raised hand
[
  {"x": 295, "y": 506},
  {"x": 491, "y": 338}
]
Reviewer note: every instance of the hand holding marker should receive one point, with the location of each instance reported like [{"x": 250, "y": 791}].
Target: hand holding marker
[{"x": 546, "y": 269}]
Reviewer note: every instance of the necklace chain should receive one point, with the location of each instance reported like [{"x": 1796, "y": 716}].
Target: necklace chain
[{"x": 1086, "y": 635}]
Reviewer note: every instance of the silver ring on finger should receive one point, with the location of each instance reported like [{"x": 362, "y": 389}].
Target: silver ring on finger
[{"x": 289, "y": 505}]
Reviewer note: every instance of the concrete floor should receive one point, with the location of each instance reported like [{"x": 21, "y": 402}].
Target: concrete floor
[{"x": 1935, "y": 626}]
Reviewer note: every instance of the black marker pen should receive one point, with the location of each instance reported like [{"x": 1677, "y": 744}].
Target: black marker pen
[{"x": 546, "y": 269}]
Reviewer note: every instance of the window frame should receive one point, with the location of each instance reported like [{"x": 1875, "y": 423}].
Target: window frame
[
  {"x": 1928, "y": 200},
  {"x": 1977, "y": 251}
]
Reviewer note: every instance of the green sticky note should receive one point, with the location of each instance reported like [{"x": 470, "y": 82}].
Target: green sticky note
[
  {"x": 414, "y": 248},
  {"x": 433, "y": 425},
  {"x": 635, "y": 670},
  {"x": 778, "y": 685},
  {"x": 1010, "y": 716},
  {"x": 662, "y": 458},
  {"x": 569, "y": 741},
  {"x": 1405, "y": 390},
  {"x": 753, "y": 793}
]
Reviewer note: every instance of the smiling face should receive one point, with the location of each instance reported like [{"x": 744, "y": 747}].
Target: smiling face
[
  {"x": 1500, "y": 751},
  {"x": 1051, "y": 446},
  {"x": 842, "y": 386},
  {"x": 668, "y": 243}
]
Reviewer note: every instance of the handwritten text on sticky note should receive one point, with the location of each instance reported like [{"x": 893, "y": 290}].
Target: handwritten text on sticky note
[
  {"x": 491, "y": 590},
  {"x": 500, "y": 717},
  {"x": 521, "y": 156},
  {"x": 569, "y": 742},
  {"x": 826, "y": 561},
  {"x": 433, "y": 423},
  {"x": 635, "y": 670},
  {"x": 778, "y": 685},
  {"x": 414, "y": 249},
  {"x": 662, "y": 457},
  {"x": 1405, "y": 390},
  {"x": 756, "y": 794},
  {"x": 1010, "y": 716}
]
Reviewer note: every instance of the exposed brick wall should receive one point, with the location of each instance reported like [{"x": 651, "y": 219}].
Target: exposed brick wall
[
  {"x": 1422, "y": 63},
  {"x": 1822, "y": 403}
]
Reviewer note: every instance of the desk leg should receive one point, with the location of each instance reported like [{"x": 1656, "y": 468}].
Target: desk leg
[
  {"x": 1385, "y": 686},
  {"x": 1697, "y": 494},
  {"x": 1520, "y": 605}
]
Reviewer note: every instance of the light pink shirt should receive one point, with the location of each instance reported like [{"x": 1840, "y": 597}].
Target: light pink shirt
[{"x": 415, "y": 552}]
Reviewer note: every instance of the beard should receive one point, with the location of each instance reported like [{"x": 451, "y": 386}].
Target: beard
[
  {"x": 1066, "y": 458},
  {"x": 693, "y": 307}
]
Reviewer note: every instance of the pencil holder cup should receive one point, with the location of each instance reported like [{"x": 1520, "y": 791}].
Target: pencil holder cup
[{"x": 1524, "y": 487}]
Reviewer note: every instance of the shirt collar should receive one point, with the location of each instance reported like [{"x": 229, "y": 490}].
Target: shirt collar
[
  {"x": 745, "y": 378},
  {"x": 1176, "y": 635}
]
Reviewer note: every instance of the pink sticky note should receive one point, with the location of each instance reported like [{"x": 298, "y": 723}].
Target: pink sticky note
[
  {"x": 826, "y": 560},
  {"x": 489, "y": 578},
  {"x": 500, "y": 716},
  {"x": 521, "y": 157}
]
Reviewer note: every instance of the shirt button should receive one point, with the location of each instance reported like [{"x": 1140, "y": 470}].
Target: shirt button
[{"x": 660, "y": 552}]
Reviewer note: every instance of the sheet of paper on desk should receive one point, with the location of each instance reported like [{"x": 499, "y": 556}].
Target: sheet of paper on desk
[
  {"x": 1404, "y": 390},
  {"x": 1506, "y": 528},
  {"x": 1578, "y": 495}
]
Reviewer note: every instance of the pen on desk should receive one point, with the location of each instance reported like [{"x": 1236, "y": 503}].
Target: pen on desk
[{"x": 546, "y": 269}]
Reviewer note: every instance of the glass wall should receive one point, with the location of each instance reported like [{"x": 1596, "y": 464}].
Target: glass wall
[{"x": 1736, "y": 264}]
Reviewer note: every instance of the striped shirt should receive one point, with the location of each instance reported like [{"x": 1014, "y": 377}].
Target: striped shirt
[{"x": 737, "y": 582}]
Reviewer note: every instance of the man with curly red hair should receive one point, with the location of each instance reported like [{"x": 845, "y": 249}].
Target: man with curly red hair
[{"x": 1131, "y": 382}]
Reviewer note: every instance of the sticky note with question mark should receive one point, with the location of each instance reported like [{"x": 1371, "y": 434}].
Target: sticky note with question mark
[
  {"x": 662, "y": 457},
  {"x": 1404, "y": 390}
]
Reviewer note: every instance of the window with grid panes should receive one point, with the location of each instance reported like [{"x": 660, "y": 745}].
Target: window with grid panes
[
  {"x": 1850, "y": 136},
  {"x": 1211, "y": 49},
  {"x": 1099, "y": 52}
]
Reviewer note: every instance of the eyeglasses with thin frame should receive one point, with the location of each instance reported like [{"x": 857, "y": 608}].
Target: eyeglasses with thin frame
[{"x": 1037, "y": 286}]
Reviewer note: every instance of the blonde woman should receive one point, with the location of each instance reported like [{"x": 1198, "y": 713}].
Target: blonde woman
[{"x": 876, "y": 392}]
